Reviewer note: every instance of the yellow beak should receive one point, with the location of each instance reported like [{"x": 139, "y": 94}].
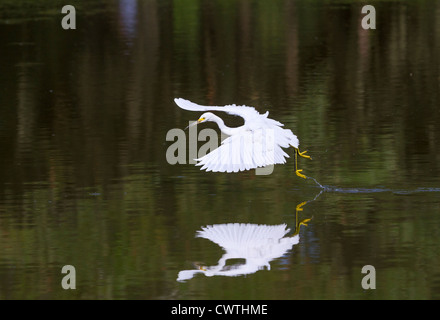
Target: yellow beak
[{"x": 195, "y": 123}]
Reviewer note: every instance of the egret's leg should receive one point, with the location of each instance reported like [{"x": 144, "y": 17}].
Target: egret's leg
[
  {"x": 302, "y": 223},
  {"x": 298, "y": 172}
]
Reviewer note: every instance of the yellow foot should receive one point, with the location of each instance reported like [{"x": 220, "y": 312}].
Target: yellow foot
[
  {"x": 298, "y": 226},
  {"x": 300, "y": 174},
  {"x": 299, "y": 207},
  {"x": 304, "y": 155},
  {"x": 304, "y": 222}
]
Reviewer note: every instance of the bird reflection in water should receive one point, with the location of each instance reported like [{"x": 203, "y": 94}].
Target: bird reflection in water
[{"x": 248, "y": 247}]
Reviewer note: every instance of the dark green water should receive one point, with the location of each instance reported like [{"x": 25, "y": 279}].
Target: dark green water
[{"x": 84, "y": 179}]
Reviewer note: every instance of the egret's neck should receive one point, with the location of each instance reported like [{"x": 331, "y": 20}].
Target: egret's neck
[{"x": 223, "y": 128}]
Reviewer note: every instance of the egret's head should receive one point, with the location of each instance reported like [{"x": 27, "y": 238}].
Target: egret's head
[{"x": 207, "y": 116}]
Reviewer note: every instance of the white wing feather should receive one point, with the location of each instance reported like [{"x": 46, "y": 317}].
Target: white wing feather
[
  {"x": 244, "y": 151},
  {"x": 250, "y": 241},
  {"x": 241, "y": 235},
  {"x": 242, "y": 111}
]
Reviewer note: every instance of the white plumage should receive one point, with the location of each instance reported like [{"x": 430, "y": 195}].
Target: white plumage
[
  {"x": 257, "y": 143},
  {"x": 246, "y": 240},
  {"x": 256, "y": 245}
]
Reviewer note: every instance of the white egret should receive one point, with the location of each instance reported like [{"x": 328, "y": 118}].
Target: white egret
[{"x": 257, "y": 143}]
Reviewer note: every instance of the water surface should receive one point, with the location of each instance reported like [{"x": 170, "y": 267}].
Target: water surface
[{"x": 85, "y": 181}]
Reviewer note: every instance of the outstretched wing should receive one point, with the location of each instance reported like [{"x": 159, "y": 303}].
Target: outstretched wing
[
  {"x": 242, "y": 111},
  {"x": 243, "y": 235},
  {"x": 244, "y": 151}
]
